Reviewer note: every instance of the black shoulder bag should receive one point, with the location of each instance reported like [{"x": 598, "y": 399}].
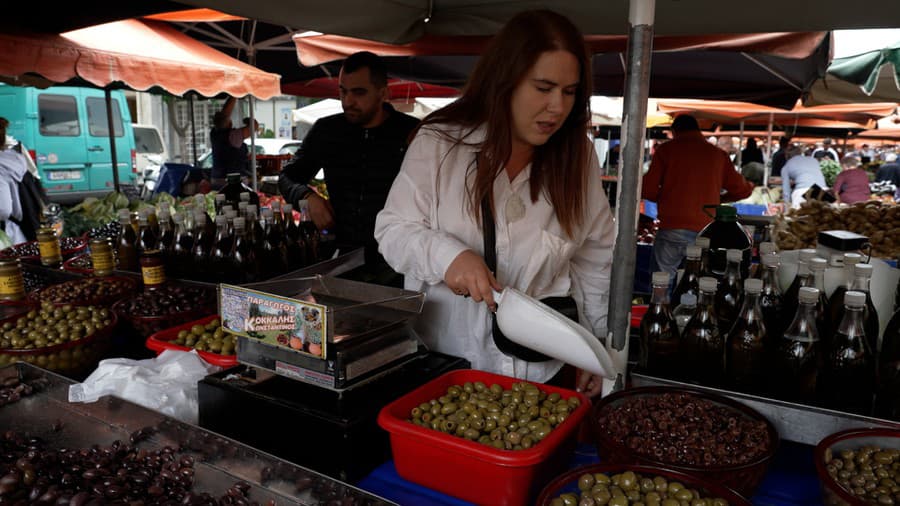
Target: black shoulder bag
[{"x": 565, "y": 305}]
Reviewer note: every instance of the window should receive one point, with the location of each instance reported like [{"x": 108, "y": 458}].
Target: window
[
  {"x": 147, "y": 140},
  {"x": 58, "y": 115},
  {"x": 98, "y": 124}
]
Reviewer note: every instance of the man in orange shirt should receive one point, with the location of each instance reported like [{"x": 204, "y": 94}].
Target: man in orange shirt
[{"x": 685, "y": 174}]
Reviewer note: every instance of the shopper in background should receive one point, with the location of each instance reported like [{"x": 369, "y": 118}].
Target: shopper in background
[
  {"x": 751, "y": 153},
  {"x": 852, "y": 184},
  {"x": 824, "y": 150},
  {"x": 513, "y": 150},
  {"x": 22, "y": 198},
  {"x": 799, "y": 173},
  {"x": 779, "y": 158},
  {"x": 889, "y": 170},
  {"x": 360, "y": 151},
  {"x": 686, "y": 174},
  {"x": 230, "y": 153}
]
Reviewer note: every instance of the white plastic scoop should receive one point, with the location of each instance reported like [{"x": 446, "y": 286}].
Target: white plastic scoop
[{"x": 535, "y": 325}]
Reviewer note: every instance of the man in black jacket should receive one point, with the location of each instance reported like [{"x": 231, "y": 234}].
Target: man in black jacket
[{"x": 360, "y": 151}]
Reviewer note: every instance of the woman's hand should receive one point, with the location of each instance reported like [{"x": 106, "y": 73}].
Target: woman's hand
[
  {"x": 589, "y": 384},
  {"x": 468, "y": 275}
]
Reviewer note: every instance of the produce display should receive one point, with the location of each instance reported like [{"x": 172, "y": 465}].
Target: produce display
[
  {"x": 210, "y": 337},
  {"x": 514, "y": 419},
  {"x": 13, "y": 389},
  {"x": 629, "y": 488},
  {"x": 799, "y": 228},
  {"x": 869, "y": 472},
  {"x": 167, "y": 300},
  {"x": 29, "y": 250},
  {"x": 96, "y": 291},
  {"x": 65, "y": 338}
]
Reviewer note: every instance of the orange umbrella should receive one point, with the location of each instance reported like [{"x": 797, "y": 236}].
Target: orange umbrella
[{"x": 752, "y": 114}]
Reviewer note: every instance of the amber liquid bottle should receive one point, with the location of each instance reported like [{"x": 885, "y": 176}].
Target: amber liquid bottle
[
  {"x": 847, "y": 381},
  {"x": 310, "y": 234},
  {"x": 703, "y": 346},
  {"x": 862, "y": 276},
  {"x": 770, "y": 299},
  {"x": 836, "y": 301},
  {"x": 746, "y": 355},
  {"x": 817, "y": 268},
  {"x": 201, "y": 247},
  {"x": 888, "y": 394},
  {"x": 797, "y": 357},
  {"x": 659, "y": 332},
  {"x": 703, "y": 243},
  {"x": 729, "y": 296},
  {"x": 689, "y": 282},
  {"x": 147, "y": 239},
  {"x": 220, "y": 256},
  {"x": 126, "y": 245},
  {"x": 180, "y": 258},
  {"x": 803, "y": 278},
  {"x": 243, "y": 258},
  {"x": 764, "y": 249},
  {"x": 296, "y": 247}
]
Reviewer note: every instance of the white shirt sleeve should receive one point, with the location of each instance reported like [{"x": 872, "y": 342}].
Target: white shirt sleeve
[
  {"x": 592, "y": 263},
  {"x": 406, "y": 235}
]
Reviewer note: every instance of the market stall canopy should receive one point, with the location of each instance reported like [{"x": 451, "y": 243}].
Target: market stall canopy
[
  {"x": 873, "y": 76},
  {"x": 135, "y": 54},
  {"x": 419, "y": 107},
  {"x": 67, "y": 16},
  {"x": 751, "y": 114},
  {"x": 884, "y": 134},
  {"x": 327, "y": 87},
  {"x": 768, "y": 68},
  {"x": 402, "y": 22}
]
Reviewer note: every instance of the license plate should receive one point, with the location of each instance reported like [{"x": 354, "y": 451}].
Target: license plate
[{"x": 64, "y": 175}]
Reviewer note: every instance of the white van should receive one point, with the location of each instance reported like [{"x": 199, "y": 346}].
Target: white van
[{"x": 150, "y": 153}]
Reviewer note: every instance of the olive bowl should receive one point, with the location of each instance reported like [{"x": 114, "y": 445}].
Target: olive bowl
[
  {"x": 28, "y": 251},
  {"x": 145, "y": 325},
  {"x": 75, "y": 291},
  {"x": 742, "y": 477},
  {"x": 833, "y": 493},
  {"x": 569, "y": 482},
  {"x": 73, "y": 358}
]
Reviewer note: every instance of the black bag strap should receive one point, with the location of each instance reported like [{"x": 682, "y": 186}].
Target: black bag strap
[{"x": 490, "y": 258}]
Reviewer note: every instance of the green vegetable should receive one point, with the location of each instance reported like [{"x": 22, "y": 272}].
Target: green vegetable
[{"x": 830, "y": 169}]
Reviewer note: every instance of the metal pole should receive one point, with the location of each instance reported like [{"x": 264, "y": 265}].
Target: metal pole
[
  {"x": 251, "y": 58},
  {"x": 767, "y": 166},
  {"x": 193, "y": 130},
  {"x": 637, "y": 89},
  {"x": 112, "y": 138},
  {"x": 740, "y": 155}
]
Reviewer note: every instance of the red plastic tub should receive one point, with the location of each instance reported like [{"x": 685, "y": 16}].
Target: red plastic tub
[
  {"x": 637, "y": 314},
  {"x": 467, "y": 469},
  {"x": 568, "y": 482},
  {"x": 79, "y": 264},
  {"x": 833, "y": 494},
  {"x": 160, "y": 342}
]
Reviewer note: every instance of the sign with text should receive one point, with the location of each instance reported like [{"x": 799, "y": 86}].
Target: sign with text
[{"x": 288, "y": 323}]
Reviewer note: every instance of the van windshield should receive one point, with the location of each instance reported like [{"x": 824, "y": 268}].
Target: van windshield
[{"x": 146, "y": 140}]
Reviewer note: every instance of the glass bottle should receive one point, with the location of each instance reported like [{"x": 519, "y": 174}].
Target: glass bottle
[
  {"x": 243, "y": 257},
  {"x": 770, "y": 300},
  {"x": 729, "y": 296},
  {"x": 126, "y": 244},
  {"x": 684, "y": 311},
  {"x": 862, "y": 276},
  {"x": 254, "y": 225},
  {"x": 746, "y": 357},
  {"x": 201, "y": 247},
  {"x": 153, "y": 270},
  {"x": 296, "y": 246},
  {"x": 888, "y": 395},
  {"x": 798, "y": 353},
  {"x": 12, "y": 282},
  {"x": 181, "y": 248},
  {"x": 220, "y": 202},
  {"x": 219, "y": 258},
  {"x": 817, "y": 268},
  {"x": 146, "y": 238},
  {"x": 689, "y": 282},
  {"x": 102, "y": 257},
  {"x": 310, "y": 234},
  {"x": 166, "y": 233},
  {"x": 703, "y": 242},
  {"x": 847, "y": 380},
  {"x": 764, "y": 249},
  {"x": 803, "y": 278},
  {"x": 836, "y": 301},
  {"x": 48, "y": 247},
  {"x": 659, "y": 334},
  {"x": 273, "y": 246},
  {"x": 702, "y": 344}
]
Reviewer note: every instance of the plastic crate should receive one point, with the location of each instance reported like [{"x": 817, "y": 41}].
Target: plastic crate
[
  {"x": 161, "y": 341},
  {"x": 467, "y": 469}
]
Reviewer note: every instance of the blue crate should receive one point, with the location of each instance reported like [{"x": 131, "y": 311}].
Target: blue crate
[{"x": 751, "y": 209}]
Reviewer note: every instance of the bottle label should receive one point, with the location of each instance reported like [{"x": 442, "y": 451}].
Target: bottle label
[
  {"x": 102, "y": 261},
  {"x": 49, "y": 249},
  {"x": 12, "y": 285},
  {"x": 155, "y": 275}
]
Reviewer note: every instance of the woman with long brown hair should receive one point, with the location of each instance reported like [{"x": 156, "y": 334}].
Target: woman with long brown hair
[{"x": 511, "y": 159}]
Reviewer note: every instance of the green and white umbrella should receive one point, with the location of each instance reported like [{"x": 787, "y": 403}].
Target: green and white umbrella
[{"x": 873, "y": 76}]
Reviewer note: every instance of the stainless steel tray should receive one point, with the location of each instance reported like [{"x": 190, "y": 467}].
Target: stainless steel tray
[{"x": 219, "y": 461}]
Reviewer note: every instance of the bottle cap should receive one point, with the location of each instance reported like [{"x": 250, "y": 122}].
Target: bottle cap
[
  {"x": 221, "y": 219},
  {"x": 708, "y": 284},
  {"x": 854, "y": 298},
  {"x": 752, "y": 285},
  {"x": 767, "y": 247},
  {"x": 770, "y": 259},
  {"x": 688, "y": 299},
  {"x": 240, "y": 222},
  {"x": 251, "y": 207},
  {"x": 703, "y": 242},
  {"x": 660, "y": 278},
  {"x": 807, "y": 254},
  {"x": 733, "y": 255},
  {"x": 852, "y": 258},
  {"x": 808, "y": 294},
  {"x": 836, "y": 260},
  {"x": 276, "y": 204},
  {"x": 164, "y": 214},
  {"x": 231, "y": 214},
  {"x": 818, "y": 264},
  {"x": 693, "y": 251},
  {"x": 864, "y": 270},
  {"x": 227, "y": 207},
  {"x": 288, "y": 208}
]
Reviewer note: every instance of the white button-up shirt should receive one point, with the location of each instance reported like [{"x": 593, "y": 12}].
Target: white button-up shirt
[{"x": 426, "y": 223}]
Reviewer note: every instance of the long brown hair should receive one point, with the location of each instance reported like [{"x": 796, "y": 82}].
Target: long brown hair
[{"x": 486, "y": 100}]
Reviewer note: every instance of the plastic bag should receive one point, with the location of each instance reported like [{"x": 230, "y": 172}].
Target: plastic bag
[{"x": 167, "y": 383}]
